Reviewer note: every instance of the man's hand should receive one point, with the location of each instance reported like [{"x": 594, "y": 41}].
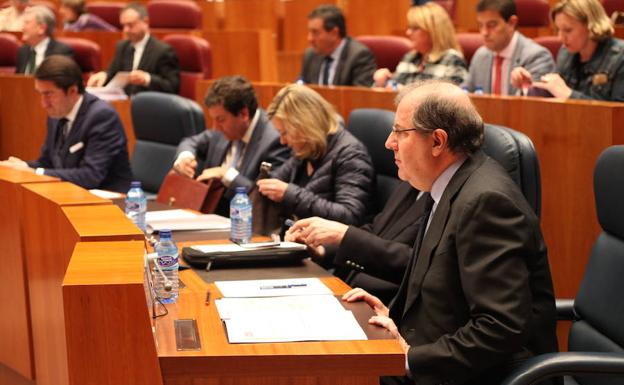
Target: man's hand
[
  {"x": 139, "y": 78},
  {"x": 388, "y": 324},
  {"x": 185, "y": 166},
  {"x": 521, "y": 78},
  {"x": 97, "y": 79},
  {"x": 16, "y": 163},
  {"x": 274, "y": 189},
  {"x": 317, "y": 231},
  {"x": 358, "y": 294},
  {"x": 212, "y": 173}
]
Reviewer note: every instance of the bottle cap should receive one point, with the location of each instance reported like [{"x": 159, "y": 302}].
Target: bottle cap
[
  {"x": 241, "y": 189},
  {"x": 135, "y": 184},
  {"x": 164, "y": 233}
]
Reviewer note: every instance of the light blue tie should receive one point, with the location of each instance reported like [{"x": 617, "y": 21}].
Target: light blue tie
[{"x": 238, "y": 150}]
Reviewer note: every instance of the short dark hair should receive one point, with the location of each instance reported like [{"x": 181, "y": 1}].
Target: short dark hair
[
  {"x": 138, "y": 8},
  {"x": 62, "y": 71},
  {"x": 332, "y": 17},
  {"x": 462, "y": 123},
  {"x": 506, "y": 8},
  {"x": 234, "y": 93},
  {"x": 78, "y": 6}
]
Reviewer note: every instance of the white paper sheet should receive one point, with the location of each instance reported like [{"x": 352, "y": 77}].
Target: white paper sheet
[
  {"x": 105, "y": 194},
  {"x": 185, "y": 222},
  {"x": 272, "y": 287},
  {"x": 295, "y": 326},
  {"x": 230, "y": 308}
]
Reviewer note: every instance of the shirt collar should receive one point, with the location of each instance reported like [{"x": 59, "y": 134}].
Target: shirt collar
[
  {"x": 254, "y": 121},
  {"x": 508, "y": 51},
  {"x": 338, "y": 51},
  {"x": 71, "y": 115},
  {"x": 42, "y": 46},
  {"x": 438, "y": 187},
  {"x": 141, "y": 44}
]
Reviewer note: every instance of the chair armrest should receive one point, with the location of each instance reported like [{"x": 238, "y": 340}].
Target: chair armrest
[
  {"x": 570, "y": 363},
  {"x": 565, "y": 309}
]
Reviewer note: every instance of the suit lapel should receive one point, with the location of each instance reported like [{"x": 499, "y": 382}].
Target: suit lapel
[
  {"x": 144, "y": 56},
  {"x": 516, "y": 58},
  {"x": 436, "y": 228},
  {"x": 488, "y": 73},
  {"x": 338, "y": 75}
]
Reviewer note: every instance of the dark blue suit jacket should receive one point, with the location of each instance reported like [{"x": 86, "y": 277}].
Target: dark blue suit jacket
[{"x": 101, "y": 161}]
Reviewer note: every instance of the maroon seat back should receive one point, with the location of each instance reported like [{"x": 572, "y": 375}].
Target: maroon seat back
[
  {"x": 86, "y": 53},
  {"x": 388, "y": 50},
  {"x": 611, "y": 6},
  {"x": 195, "y": 57},
  {"x": 469, "y": 43},
  {"x": 551, "y": 42},
  {"x": 9, "y": 44},
  {"x": 533, "y": 13},
  {"x": 174, "y": 14},
  {"x": 107, "y": 10}
]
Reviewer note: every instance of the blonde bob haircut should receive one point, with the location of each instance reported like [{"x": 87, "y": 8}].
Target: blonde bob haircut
[
  {"x": 435, "y": 20},
  {"x": 307, "y": 116},
  {"x": 589, "y": 12}
]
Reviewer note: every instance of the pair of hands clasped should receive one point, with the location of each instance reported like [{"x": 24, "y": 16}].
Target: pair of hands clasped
[{"x": 553, "y": 82}]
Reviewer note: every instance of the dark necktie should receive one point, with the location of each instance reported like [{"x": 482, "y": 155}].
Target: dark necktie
[
  {"x": 129, "y": 60},
  {"x": 326, "y": 65},
  {"x": 32, "y": 62},
  {"x": 61, "y": 132}
]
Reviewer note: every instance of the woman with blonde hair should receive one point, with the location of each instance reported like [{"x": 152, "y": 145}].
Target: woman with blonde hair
[
  {"x": 330, "y": 174},
  {"x": 436, "y": 53},
  {"x": 590, "y": 64}
]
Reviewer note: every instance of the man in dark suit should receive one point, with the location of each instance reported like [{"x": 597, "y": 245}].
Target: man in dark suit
[
  {"x": 153, "y": 64},
  {"x": 242, "y": 139},
  {"x": 38, "y": 34},
  {"x": 477, "y": 295},
  {"x": 85, "y": 143},
  {"x": 372, "y": 257},
  {"x": 333, "y": 57}
]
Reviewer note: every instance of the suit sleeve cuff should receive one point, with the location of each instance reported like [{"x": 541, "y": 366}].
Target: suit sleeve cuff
[
  {"x": 229, "y": 176},
  {"x": 40, "y": 171}
]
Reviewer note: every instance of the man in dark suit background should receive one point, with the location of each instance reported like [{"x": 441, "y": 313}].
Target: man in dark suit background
[
  {"x": 153, "y": 64},
  {"x": 38, "y": 34},
  {"x": 242, "y": 139},
  {"x": 333, "y": 57},
  {"x": 85, "y": 143},
  {"x": 477, "y": 295}
]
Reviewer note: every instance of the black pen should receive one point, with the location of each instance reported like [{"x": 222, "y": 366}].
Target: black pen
[
  {"x": 208, "y": 298},
  {"x": 283, "y": 286}
]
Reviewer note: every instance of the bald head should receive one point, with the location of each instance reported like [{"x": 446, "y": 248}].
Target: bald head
[{"x": 442, "y": 105}]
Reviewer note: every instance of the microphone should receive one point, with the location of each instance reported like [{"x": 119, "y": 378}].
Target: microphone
[{"x": 167, "y": 285}]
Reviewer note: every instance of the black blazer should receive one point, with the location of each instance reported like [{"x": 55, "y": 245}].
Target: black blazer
[
  {"x": 54, "y": 48},
  {"x": 478, "y": 298},
  {"x": 158, "y": 58},
  {"x": 377, "y": 253},
  {"x": 355, "y": 67}
]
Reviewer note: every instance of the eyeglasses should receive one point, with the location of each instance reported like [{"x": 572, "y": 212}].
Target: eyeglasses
[{"x": 396, "y": 129}]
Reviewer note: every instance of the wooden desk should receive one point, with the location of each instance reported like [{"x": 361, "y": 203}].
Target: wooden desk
[
  {"x": 16, "y": 351},
  {"x": 55, "y": 217}
]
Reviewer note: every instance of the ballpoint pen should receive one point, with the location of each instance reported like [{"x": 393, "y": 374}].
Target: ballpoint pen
[
  {"x": 283, "y": 286},
  {"x": 208, "y": 298}
]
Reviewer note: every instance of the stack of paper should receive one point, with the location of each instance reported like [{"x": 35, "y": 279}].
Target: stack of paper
[
  {"x": 185, "y": 220},
  {"x": 284, "y": 310}
]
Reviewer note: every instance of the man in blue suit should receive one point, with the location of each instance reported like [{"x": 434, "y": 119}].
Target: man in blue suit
[
  {"x": 242, "y": 139},
  {"x": 86, "y": 143}
]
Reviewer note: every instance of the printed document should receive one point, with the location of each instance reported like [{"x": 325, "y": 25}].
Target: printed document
[{"x": 272, "y": 287}]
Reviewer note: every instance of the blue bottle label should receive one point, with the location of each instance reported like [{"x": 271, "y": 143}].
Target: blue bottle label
[{"x": 167, "y": 260}]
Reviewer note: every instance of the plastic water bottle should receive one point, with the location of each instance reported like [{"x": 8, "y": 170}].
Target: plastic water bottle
[
  {"x": 478, "y": 91},
  {"x": 167, "y": 289},
  {"x": 240, "y": 217},
  {"x": 136, "y": 205}
]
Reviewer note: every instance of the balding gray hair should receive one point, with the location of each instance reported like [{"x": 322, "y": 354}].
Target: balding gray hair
[{"x": 43, "y": 15}]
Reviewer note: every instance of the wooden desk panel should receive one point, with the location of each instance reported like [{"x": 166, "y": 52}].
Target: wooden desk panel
[
  {"x": 49, "y": 239},
  {"x": 16, "y": 350}
]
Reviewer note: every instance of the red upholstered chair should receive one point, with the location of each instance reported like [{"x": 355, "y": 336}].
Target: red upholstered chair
[
  {"x": 613, "y": 6},
  {"x": 388, "y": 50},
  {"x": 174, "y": 14},
  {"x": 533, "y": 13},
  {"x": 195, "y": 59},
  {"x": 86, "y": 53},
  {"x": 469, "y": 43},
  {"x": 107, "y": 10},
  {"x": 9, "y": 44},
  {"x": 551, "y": 42}
]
